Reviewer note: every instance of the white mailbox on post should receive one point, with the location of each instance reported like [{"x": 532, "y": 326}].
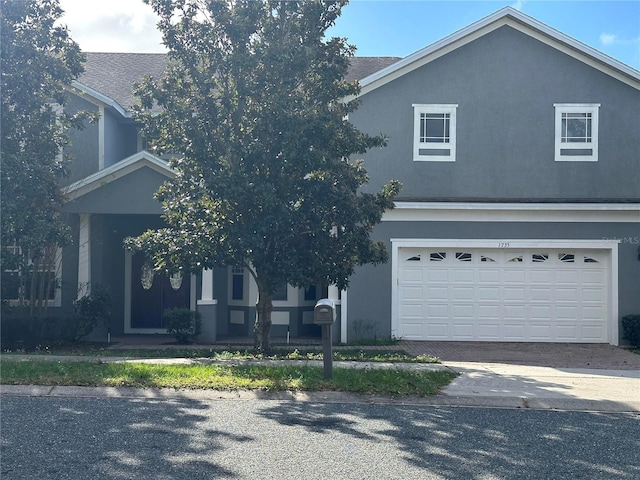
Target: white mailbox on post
[{"x": 324, "y": 312}]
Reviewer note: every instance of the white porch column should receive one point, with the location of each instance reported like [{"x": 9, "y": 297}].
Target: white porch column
[
  {"x": 343, "y": 317},
  {"x": 84, "y": 256},
  {"x": 208, "y": 308},
  {"x": 334, "y": 294},
  {"x": 207, "y": 284}
]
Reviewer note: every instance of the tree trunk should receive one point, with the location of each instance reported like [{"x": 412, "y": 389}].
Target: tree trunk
[{"x": 262, "y": 328}]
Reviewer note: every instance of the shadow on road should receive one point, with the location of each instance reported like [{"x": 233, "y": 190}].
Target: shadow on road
[
  {"x": 479, "y": 443},
  {"x": 111, "y": 439}
]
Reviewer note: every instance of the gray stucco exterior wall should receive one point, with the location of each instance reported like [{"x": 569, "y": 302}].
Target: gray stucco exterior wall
[
  {"x": 130, "y": 194},
  {"x": 505, "y": 85},
  {"x": 123, "y": 139},
  {"x": 83, "y": 150}
]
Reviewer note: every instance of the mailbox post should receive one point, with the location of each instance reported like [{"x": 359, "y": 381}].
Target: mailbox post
[{"x": 324, "y": 314}]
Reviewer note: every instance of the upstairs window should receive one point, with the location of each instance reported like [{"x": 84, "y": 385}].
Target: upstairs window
[
  {"x": 576, "y": 132},
  {"x": 434, "y": 133}
]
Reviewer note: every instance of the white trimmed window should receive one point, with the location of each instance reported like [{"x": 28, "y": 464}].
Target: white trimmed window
[
  {"x": 20, "y": 286},
  {"x": 576, "y": 138},
  {"x": 434, "y": 132}
]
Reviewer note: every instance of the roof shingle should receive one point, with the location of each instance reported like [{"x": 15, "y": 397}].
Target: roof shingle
[{"x": 114, "y": 74}]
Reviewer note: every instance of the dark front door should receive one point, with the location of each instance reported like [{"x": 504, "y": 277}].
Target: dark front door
[{"x": 152, "y": 293}]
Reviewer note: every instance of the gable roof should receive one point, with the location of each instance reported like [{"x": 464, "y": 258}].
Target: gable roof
[
  {"x": 116, "y": 171},
  {"x": 113, "y": 75},
  {"x": 515, "y": 19},
  {"x": 109, "y": 77}
]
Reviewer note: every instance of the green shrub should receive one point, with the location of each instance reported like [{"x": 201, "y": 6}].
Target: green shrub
[
  {"x": 90, "y": 311},
  {"x": 631, "y": 329},
  {"x": 31, "y": 332},
  {"x": 185, "y": 324}
]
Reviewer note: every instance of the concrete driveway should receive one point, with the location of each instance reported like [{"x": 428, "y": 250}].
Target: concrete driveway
[{"x": 557, "y": 355}]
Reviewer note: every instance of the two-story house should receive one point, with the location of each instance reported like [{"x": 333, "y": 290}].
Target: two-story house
[{"x": 519, "y": 151}]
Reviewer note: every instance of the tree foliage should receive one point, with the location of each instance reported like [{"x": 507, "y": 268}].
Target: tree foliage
[
  {"x": 252, "y": 101},
  {"x": 38, "y": 60}
]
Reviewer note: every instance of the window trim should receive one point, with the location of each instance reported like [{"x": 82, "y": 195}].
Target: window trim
[
  {"x": 56, "y": 270},
  {"x": 589, "y": 108},
  {"x": 238, "y": 272},
  {"x": 434, "y": 108}
]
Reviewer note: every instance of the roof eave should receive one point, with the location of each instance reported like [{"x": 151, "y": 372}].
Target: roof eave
[
  {"x": 486, "y": 25},
  {"x": 100, "y": 97},
  {"x": 116, "y": 171}
]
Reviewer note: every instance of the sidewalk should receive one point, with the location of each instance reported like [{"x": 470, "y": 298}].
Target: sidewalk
[{"x": 479, "y": 384}]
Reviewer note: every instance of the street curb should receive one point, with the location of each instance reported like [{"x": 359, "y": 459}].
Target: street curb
[{"x": 442, "y": 400}]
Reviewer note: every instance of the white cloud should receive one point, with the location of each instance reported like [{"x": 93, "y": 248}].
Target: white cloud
[
  {"x": 112, "y": 26},
  {"x": 607, "y": 39},
  {"x": 518, "y": 5}
]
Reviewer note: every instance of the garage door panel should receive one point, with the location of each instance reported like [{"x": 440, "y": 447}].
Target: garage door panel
[
  {"x": 595, "y": 313},
  {"x": 462, "y": 293},
  {"x": 437, "y": 293},
  {"x": 567, "y": 312},
  {"x": 515, "y": 276},
  {"x": 593, "y": 277},
  {"x": 463, "y": 331},
  {"x": 412, "y": 275},
  {"x": 541, "y": 277},
  {"x": 438, "y": 331},
  {"x": 462, "y": 275},
  {"x": 593, "y": 295},
  {"x": 540, "y": 312},
  {"x": 437, "y": 311},
  {"x": 540, "y": 332},
  {"x": 412, "y": 311},
  {"x": 465, "y": 311},
  {"x": 488, "y": 331},
  {"x": 487, "y": 276},
  {"x": 517, "y": 294},
  {"x": 488, "y": 311},
  {"x": 541, "y": 294},
  {"x": 514, "y": 332},
  {"x": 568, "y": 277},
  {"x": 566, "y": 294},
  {"x": 514, "y": 311},
  {"x": 412, "y": 292},
  {"x": 412, "y": 330},
  {"x": 489, "y": 294},
  {"x": 593, "y": 333},
  {"x": 437, "y": 275},
  {"x": 566, "y": 332}
]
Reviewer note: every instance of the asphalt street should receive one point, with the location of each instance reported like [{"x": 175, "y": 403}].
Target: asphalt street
[{"x": 193, "y": 438}]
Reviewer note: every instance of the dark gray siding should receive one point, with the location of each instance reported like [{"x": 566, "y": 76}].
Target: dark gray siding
[
  {"x": 505, "y": 85},
  {"x": 121, "y": 139},
  {"x": 132, "y": 194},
  {"x": 369, "y": 299},
  {"x": 83, "y": 151}
]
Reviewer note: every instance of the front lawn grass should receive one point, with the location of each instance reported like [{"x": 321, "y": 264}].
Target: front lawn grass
[
  {"x": 244, "y": 377},
  {"x": 278, "y": 353}
]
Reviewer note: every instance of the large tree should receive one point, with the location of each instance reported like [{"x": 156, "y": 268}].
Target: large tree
[
  {"x": 38, "y": 60},
  {"x": 253, "y": 104}
]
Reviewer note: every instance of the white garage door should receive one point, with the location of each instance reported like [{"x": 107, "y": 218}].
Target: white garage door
[{"x": 541, "y": 295}]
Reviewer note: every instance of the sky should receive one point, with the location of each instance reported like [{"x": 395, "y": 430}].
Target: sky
[{"x": 381, "y": 27}]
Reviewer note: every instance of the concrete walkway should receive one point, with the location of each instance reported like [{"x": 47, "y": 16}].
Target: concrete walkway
[{"x": 482, "y": 384}]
